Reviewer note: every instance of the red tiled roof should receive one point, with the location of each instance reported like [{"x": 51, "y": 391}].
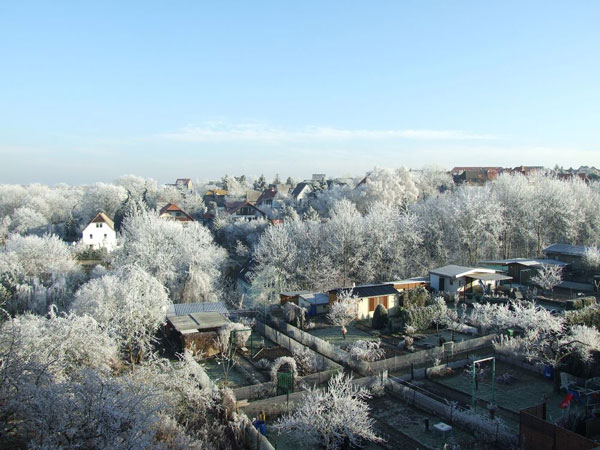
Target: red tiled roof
[{"x": 172, "y": 207}]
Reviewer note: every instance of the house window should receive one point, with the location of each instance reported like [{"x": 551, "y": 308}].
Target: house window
[
  {"x": 98, "y": 225},
  {"x": 91, "y": 236},
  {"x": 374, "y": 301},
  {"x": 105, "y": 236}
]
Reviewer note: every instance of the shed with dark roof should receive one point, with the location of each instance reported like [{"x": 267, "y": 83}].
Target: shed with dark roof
[{"x": 368, "y": 297}]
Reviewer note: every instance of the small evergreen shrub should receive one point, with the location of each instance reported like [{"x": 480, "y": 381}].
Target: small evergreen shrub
[{"x": 380, "y": 317}]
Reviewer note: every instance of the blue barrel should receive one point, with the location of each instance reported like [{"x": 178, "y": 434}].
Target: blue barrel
[{"x": 261, "y": 426}]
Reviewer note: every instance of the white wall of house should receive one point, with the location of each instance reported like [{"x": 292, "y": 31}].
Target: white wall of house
[
  {"x": 98, "y": 235},
  {"x": 453, "y": 286},
  {"x": 303, "y": 193}
]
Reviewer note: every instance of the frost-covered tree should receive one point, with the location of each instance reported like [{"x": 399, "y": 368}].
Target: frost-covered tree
[
  {"x": 587, "y": 198},
  {"x": 515, "y": 194},
  {"x": 554, "y": 211},
  {"x": 183, "y": 258},
  {"x": 434, "y": 225},
  {"x": 276, "y": 258},
  {"x": 332, "y": 417},
  {"x": 25, "y": 220},
  {"x": 290, "y": 182},
  {"x": 193, "y": 204},
  {"x": 343, "y": 311},
  {"x": 554, "y": 348},
  {"x": 394, "y": 244},
  {"x": 344, "y": 241},
  {"x": 591, "y": 258},
  {"x": 139, "y": 188},
  {"x": 368, "y": 351},
  {"x": 230, "y": 337},
  {"x": 37, "y": 208},
  {"x": 37, "y": 272},
  {"x": 526, "y": 316},
  {"x": 101, "y": 197},
  {"x": 62, "y": 344},
  {"x": 5, "y": 223},
  {"x": 477, "y": 220},
  {"x": 260, "y": 184},
  {"x": 395, "y": 188},
  {"x": 548, "y": 276},
  {"x": 130, "y": 304},
  {"x": 60, "y": 388},
  {"x": 235, "y": 186},
  {"x": 432, "y": 181}
]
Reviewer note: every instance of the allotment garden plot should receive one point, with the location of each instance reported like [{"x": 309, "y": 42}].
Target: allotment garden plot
[
  {"x": 401, "y": 425},
  {"x": 515, "y": 388}
]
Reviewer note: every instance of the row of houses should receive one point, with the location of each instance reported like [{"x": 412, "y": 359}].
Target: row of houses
[
  {"x": 195, "y": 325},
  {"x": 479, "y": 175},
  {"x": 256, "y": 204},
  {"x": 452, "y": 279}
]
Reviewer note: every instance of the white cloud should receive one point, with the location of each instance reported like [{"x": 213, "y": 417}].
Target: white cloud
[{"x": 214, "y": 132}]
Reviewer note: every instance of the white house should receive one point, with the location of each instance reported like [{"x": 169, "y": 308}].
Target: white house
[
  {"x": 459, "y": 279},
  {"x": 243, "y": 211},
  {"x": 301, "y": 191},
  {"x": 100, "y": 233}
]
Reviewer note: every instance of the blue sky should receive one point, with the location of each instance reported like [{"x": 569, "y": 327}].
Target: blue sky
[{"x": 93, "y": 90}]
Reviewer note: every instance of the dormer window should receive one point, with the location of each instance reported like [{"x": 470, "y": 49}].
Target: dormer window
[{"x": 98, "y": 225}]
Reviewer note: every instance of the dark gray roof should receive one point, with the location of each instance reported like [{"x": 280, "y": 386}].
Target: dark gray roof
[
  {"x": 294, "y": 293},
  {"x": 182, "y": 309},
  {"x": 247, "y": 270},
  {"x": 374, "y": 290},
  {"x": 576, "y": 286},
  {"x": 299, "y": 188},
  {"x": 566, "y": 249}
]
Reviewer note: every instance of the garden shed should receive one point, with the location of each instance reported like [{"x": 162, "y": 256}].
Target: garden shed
[
  {"x": 369, "y": 296},
  {"x": 459, "y": 279},
  {"x": 522, "y": 269},
  {"x": 315, "y": 303},
  {"x": 196, "y": 331}
]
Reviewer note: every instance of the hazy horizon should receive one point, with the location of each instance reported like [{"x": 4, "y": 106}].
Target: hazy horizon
[{"x": 93, "y": 91}]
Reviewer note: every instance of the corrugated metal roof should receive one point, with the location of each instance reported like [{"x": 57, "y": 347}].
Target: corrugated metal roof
[
  {"x": 181, "y": 309},
  {"x": 191, "y": 323},
  {"x": 209, "y": 320}
]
